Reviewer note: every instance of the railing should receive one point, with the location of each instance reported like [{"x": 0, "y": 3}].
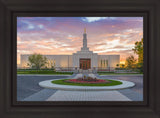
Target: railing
[
  {"x": 108, "y": 69},
  {"x": 71, "y": 69}
]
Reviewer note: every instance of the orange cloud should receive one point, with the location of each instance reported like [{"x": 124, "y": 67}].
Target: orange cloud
[{"x": 18, "y": 38}]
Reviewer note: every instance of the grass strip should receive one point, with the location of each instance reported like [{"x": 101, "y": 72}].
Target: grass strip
[
  {"x": 111, "y": 83},
  {"x": 44, "y": 72},
  {"x": 112, "y": 73}
]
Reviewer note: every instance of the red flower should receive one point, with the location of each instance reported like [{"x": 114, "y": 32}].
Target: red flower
[{"x": 86, "y": 81}]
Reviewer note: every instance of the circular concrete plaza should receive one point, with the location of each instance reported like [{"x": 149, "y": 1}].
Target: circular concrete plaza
[
  {"x": 28, "y": 89},
  {"x": 50, "y": 85}
]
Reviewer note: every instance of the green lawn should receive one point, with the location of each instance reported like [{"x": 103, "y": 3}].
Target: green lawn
[
  {"x": 112, "y": 83},
  {"x": 112, "y": 73},
  {"x": 47, "y": 72}
]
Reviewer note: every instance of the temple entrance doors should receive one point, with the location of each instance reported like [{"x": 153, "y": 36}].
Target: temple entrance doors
[{"x": 85, "y": 64}]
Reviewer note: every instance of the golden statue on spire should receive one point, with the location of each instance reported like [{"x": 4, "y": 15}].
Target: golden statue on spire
[{"x": 84, "y": 30}]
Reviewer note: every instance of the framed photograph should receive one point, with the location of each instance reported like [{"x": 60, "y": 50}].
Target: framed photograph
[
  {"x": 79, "y": 59},
  {"x": 103, "y": 62}
]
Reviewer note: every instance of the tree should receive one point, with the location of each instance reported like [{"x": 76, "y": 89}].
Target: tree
[
  {"x": 117, "y": 65},
  {"x": 123, "y": 65},
  {"x": 130, "y": 62},
  {"x": 138, "y": 49},
  {"x": 37, "y": 61}
]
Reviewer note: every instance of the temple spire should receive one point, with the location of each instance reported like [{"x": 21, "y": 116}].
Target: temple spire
[
  {"x": 85, "y": 30},
  {"x": 85, "y": 41}
]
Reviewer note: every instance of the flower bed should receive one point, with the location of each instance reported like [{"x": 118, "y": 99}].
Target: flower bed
[
  {"x": 81, "y": 80},
  {"x": 76, "y": 82}
]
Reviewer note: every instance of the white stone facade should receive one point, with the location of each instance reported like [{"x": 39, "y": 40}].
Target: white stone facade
[
  {"x": 73, "y": 60},
  {"x": 85, "y": 55},
  {"x": 58, "y": 60}
]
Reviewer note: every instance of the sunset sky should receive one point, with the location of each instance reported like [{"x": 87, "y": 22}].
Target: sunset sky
[{"x": 64, "y": 35}]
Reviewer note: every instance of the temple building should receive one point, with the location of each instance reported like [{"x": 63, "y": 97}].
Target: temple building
[{"x": 83, "y": 59}]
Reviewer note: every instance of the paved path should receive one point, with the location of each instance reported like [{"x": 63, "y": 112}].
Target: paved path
[
  {"x": 41, "y": 95},
  {"x": 28, "y": 85},
  {"x": 29, "y": 90},
  {"x": 61, "y": 95},
  {"x": 137, "y": 79}
]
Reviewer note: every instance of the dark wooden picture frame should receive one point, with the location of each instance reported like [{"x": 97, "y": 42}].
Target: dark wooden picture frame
[{"x": 10, "y": 108}]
